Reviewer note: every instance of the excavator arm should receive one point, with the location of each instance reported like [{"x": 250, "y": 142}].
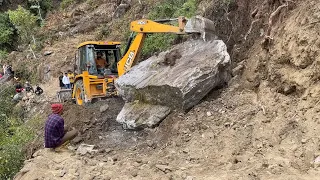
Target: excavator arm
[{"x": 144, "y": 26}]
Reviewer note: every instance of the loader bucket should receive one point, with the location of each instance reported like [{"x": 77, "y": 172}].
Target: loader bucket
[
  {"x": 204, "y": 26},
  {"x": 64, "y": 95}
]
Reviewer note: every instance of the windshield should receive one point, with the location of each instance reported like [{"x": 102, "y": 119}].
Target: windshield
[{"x": 91, "y": 64}]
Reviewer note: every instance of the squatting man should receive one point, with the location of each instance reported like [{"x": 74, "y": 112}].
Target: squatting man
[{"x": 55, "y": 132}]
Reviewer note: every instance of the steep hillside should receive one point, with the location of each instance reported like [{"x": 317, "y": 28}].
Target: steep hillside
[{"x": 264, "y": 125}]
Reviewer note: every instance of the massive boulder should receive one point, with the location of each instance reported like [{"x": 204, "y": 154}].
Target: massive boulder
[{"x": 177, "y": 79}]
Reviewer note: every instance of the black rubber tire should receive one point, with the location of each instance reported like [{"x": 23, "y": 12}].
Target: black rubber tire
[{"x": 80, "y": 94}]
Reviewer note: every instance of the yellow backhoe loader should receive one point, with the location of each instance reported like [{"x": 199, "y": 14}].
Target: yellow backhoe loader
[{"x": 99, "y": 64}]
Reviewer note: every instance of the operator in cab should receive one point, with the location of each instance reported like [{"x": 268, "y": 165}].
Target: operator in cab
[{"x": 101, "y": 63}]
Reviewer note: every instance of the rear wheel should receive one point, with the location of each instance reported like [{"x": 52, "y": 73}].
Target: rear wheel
[{"x": 80, "y": 95}]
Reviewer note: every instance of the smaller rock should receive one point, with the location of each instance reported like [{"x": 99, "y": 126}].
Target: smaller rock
[
  {"x": 72, "y": 148},
  {"x": 108, "y": 150},
  {"x": 110, "y": 161},
  {"x": 135, "y": 164},
  {"x": 85, "y": 148},
  {"x": 87, "y": 121},
  {"x": 115, "y": 158},
  {"x": 77, "y": 140},
  {"x": 25, "y": 170},
  {"x": 47, "y": 53},
  {"x": 88, "y": 177},
  {"x": 303, "y": 141},
  {"x": 101, "y": 151},
  {"x": 104, "y": 108},
  {"x": 62, "y": 173},
  {"x": 164, "y": 168},
  {"x": 209, "y": 114},
  {"x": 121, "y": 9},
  {"x": 134, "y": 173},
  {"x": 227, "y": 124},
  {"x": 107, "y": 178},
  {"x": 190, "y": 178},
  {"x": 137, "y": 115},
  {"x": 289, "y": 89},
  {"x": 150, "y": 143},
  {"x": 237, "y": 70},
  {"x": 316, "y": 162},
  {"x": 92, "y": 163}
]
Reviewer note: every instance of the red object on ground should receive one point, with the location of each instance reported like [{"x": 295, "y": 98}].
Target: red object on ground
[{"x": 19, "y": 90}]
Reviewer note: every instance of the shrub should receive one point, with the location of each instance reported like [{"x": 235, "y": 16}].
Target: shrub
[
  {"x": 11, "y": 153},
  {"x": 14, "y": 134}
]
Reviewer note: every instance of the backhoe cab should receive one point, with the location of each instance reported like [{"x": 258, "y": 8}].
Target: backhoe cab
[{"x": 96, "y": 70}]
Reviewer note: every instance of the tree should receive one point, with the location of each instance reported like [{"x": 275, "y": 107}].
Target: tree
[
  {"x": 8, "y": 33},
  {"x": 25, "y": 22},
  {"x": 40, "y": 8}
]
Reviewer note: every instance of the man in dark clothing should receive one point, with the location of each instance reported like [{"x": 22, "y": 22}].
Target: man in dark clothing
[
  {"x": 9, "y": 70},
  {"x": 55, "y": 133},
  {"x": 18, "y": 87},
  {"x": 38, "y": 90},
  {"x": 28, "y": 87},
  {"x": 60, "y": 81}
]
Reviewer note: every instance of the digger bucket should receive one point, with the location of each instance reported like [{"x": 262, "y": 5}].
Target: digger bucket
[{"x": 204, "y": 26}]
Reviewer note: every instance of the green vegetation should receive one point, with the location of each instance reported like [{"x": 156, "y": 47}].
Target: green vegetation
[
  {"x": 3, "y": 55},
  {"x": 25, "y": 22},
  {"x": 13, "y": 143},
  {"x": 14, "y": 134},
  {"x": 173, "y": 9},
  {"x": 8, "y": 33},
  {"x": 40, "y": 5},
  {"x": 167, "y": 9}
]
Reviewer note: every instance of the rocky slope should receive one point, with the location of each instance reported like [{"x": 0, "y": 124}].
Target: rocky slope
[{"x": 264, "y": 125}]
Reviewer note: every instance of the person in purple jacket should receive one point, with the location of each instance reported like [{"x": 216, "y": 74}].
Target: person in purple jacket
[{"x": 55, "y": 133}]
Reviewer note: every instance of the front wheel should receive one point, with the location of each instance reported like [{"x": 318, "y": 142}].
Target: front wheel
[{"x": 80, "y": 94}]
